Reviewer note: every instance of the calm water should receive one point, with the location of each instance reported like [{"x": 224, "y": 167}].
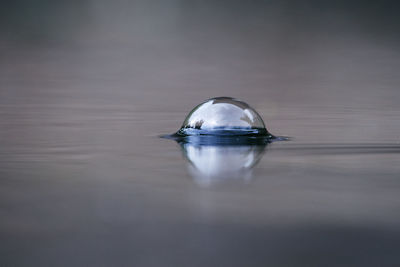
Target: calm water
[{"x": 86, "y": 89}]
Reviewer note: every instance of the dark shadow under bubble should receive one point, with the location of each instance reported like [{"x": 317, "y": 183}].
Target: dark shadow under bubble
[{"x": 222, "y": 139}]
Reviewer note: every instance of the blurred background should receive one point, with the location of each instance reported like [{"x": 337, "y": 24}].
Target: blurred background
[{"x": 86, "y": 88}]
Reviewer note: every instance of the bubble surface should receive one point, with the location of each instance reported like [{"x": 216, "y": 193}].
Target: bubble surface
[{"x": 223, "y": 116}]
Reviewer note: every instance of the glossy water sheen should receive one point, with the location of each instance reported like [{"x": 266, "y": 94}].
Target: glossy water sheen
[{"x": 87, "y": 87}]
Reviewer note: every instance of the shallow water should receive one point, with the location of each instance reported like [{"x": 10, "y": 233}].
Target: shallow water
[{"x": 86, "y": 180}]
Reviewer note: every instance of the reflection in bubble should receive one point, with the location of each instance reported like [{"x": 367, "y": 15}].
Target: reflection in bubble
[{"x": 224, "y": 116}]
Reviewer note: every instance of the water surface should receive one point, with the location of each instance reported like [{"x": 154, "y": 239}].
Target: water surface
[{"x": 86, "y": 181}]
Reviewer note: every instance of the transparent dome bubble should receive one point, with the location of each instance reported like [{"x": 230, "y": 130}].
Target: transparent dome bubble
[{"x": 223, "y": 116}]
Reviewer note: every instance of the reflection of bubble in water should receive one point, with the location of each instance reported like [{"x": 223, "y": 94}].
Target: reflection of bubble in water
[
  {"x": 213, "y": 164},
  {"x": 223, "y": 116}
]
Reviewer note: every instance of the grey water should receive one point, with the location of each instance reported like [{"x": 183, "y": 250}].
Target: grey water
[{"x": 87, "y": 88}]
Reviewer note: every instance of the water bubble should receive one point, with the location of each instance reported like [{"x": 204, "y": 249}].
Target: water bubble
[
  {"x": 222, "y": 139},
  {"x": 224, "y": 121},
  {"x": 223, "y": 116}
]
